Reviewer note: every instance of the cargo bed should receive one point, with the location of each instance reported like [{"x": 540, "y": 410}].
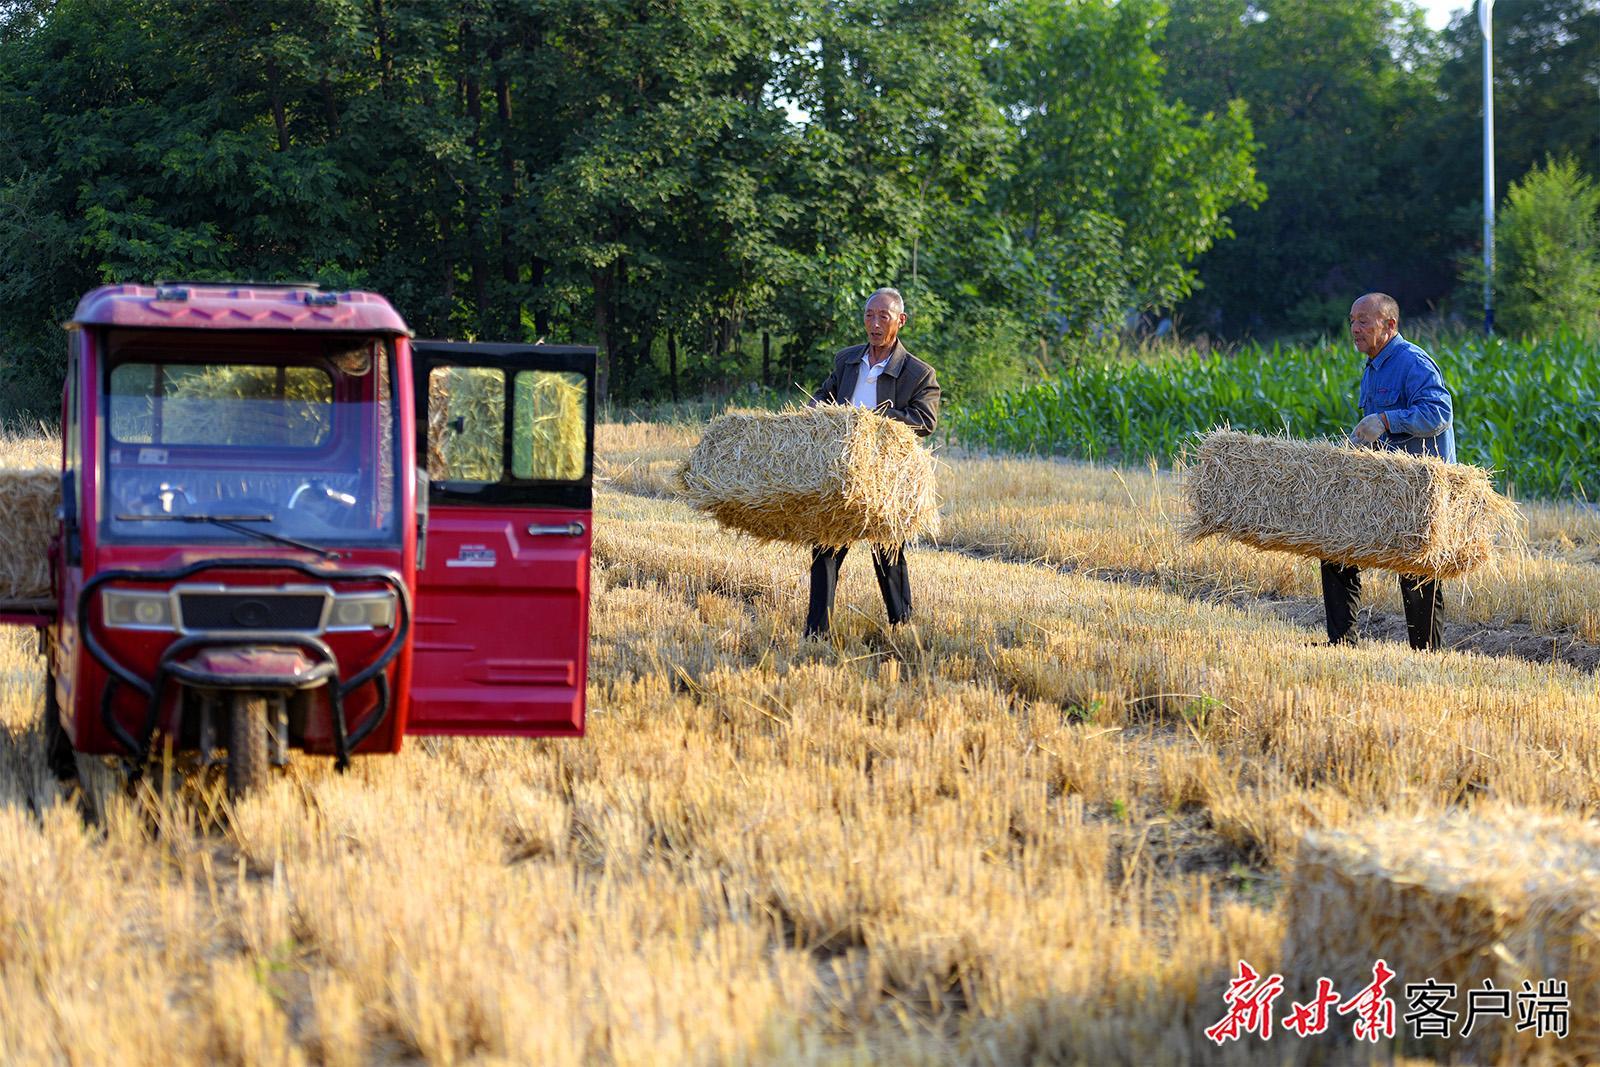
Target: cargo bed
[{"x": 27, "y": 612}]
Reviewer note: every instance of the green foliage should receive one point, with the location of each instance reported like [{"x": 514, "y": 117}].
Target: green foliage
[
  {"x": 688, "y": 175},
  {"x": 1530, "y": 409},
  {"x": 1370, "y": 143},
  {"x": 1546, "y": 70},
  {"x": 1547, "y": 247},
  {"x": 1114, "y": 188},
  {"x": 1327, "y": 86},
  {"x": 980, "y": 351},
  {"x": 902, "y": 133}
]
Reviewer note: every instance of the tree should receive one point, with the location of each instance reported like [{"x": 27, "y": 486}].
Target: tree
[
  {"x": 1330, "y": 90},
  {"x": 1548, "y": 245},
  {"x": 1114, "y": 188},
  {"x": 1369, "y": 128},
  {"x": 1547, "y": 104},
  {"x": 681, "y": 175},
  {"x": 899, "y": 131},
  {"x": 1546, "y": 86}
]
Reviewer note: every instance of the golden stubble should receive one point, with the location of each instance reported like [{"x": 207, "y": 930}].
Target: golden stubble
[{"x": 1041, "y": 824}]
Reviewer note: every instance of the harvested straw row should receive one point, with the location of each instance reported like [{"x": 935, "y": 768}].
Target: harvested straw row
[
  {"x": 828, "y": 475},
  {"x": 30, "y": 492},
  {"x": 1358, "y": 506},
  {"x": 1505, "y": 895}
]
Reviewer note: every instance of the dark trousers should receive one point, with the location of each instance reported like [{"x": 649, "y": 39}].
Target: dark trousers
[
  {"x": 1422, "y": 597},
  {"x": 894, "y": 581}
]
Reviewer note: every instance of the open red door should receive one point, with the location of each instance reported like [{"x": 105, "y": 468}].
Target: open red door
[{"x": 506, "y": 435}]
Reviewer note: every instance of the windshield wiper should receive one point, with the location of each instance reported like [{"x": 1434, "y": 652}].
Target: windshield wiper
[{"x": 231, "y": 522}]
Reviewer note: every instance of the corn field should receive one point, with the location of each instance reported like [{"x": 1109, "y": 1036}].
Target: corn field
[{"x": 1527, "y": 409}]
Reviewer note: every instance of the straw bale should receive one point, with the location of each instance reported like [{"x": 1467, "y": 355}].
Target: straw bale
[
  {"x": 1503, "y": 894},
  {"x": 1360, "y": 506},
  {"x": 827, "y": 475},
  {"x": 30, "y": 492}
]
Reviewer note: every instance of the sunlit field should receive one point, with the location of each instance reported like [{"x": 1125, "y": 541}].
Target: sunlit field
[{"x": 1040, "y": 824}]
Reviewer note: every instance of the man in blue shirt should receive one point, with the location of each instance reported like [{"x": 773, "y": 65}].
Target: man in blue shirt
[{"x": 1405, "y": 406}]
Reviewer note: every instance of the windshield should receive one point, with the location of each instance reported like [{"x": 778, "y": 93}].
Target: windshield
[{"x": 288, "y": 438}]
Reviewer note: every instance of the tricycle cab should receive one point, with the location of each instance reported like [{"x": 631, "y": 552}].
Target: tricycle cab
[{"x": 244, "y": 558}]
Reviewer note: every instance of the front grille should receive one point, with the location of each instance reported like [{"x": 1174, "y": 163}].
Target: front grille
[{"x": 251, "y": 611}]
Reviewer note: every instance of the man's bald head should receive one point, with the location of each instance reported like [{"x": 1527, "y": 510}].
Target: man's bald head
[
  {"x": 1374, "y": 322},
  {"x": 890, "y": 297},
  {"x": 884, "y": 315},
  {"x": 1383, "y": 304}
]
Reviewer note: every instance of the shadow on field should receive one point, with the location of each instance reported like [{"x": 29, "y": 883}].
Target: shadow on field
[
  {"x": 25, "y": 779},
  {"x": 1515, "y": 640},
  {"x": 170, "y": 788}
]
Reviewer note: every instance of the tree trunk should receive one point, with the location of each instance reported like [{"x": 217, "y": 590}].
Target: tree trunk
[
  {"x": 600, "y": 282},
  {"x": 279, "y": 119},
  {"x": 672, "y": 362},
  {"x": 447, "y": 260},
  {"x": 477, "y": 254},
  {"x": 385, "y": 59},
  {"x": 644, "y": 344},
  {"x": 621, "y": 336},
  {"x": 330, "y": 106},
  {"x": 541, "y": 312},
  {"x": 509, "y": 271},
  {"x": 801, "y": 342},
  {"x": 766, "y": 359}
]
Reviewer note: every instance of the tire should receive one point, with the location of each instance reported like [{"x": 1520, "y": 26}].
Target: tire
[
  {"x": 248, "y": 761},
  {"x": 58, "y": 752}
]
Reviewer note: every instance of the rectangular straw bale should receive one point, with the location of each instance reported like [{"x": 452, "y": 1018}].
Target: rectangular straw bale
[
  {"x": 1504, "y": 894},
  {"x": 827, "y": 475},
  {"x": 1357, "y": 506},
  {"x": 30, "y": 492}
]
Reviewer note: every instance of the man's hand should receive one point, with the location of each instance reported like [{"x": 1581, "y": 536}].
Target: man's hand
[{"x": 1370, "y": 429}]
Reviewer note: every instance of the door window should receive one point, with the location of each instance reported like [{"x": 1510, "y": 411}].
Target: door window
[
  {"x": 466, "y": 424},
  {"x": 505, "y": 425},
  {"x": 549, "y": 425}
]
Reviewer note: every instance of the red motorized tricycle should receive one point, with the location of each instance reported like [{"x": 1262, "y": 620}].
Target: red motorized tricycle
[{"x": 287, "y": 525}]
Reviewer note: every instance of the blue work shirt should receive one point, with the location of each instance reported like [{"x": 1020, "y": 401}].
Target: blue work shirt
[{"x": 1404, "y": 384}]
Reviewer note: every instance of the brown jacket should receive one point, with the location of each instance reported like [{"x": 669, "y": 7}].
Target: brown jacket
[{"x": 907, "y": 390}]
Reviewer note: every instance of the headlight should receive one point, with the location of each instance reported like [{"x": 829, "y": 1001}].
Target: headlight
[
  {"x": 127, "y": 609},
  {"x": 362, "y": 611}
]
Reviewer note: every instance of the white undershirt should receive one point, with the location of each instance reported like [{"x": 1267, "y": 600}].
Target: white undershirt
[{"x": 866, "y": 391}]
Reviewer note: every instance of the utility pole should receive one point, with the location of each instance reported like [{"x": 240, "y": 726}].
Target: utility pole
[{"x": 1485, "y": 12}]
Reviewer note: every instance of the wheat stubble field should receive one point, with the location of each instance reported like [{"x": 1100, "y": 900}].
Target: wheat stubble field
[{"x": 1041, "y": 825}]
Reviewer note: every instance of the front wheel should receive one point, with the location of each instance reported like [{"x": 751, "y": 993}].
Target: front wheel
[
  {"x": 247, "y": 745},
  {"x": 58, "y": 753}
]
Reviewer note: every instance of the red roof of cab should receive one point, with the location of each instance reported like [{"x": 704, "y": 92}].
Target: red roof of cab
[{"x": 224, "y": 306}]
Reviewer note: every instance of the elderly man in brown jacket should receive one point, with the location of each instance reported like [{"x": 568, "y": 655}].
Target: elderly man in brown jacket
[{"x": 883, "y": 376}]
